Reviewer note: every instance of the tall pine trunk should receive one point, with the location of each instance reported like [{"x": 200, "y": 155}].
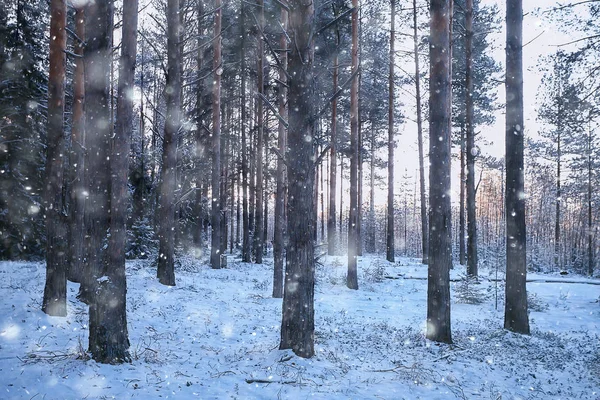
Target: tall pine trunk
[
  {"x": 109, "y": 316},
  {"x": 440, "y": 233},
  {"x": 470, "y": 131},
  {"x": 423, "y": 199},
  {"x": 215, "y": 247},
  {"x": 246, "y": 253},
  {"x": 55, "y": 290},
  {"x": 279, "y": 235},
  {"x": 390, "y": 239},
  {"x": 331, "y": 212},
  {"x": 166, "y": 221},
  {"x": 258, "y": 210},
  {"x": 76, "y": 195},
  {"x": 297, "y": 325},
  {"x": 352, "y": 277},
  {"x": 515, "y": 307},
  {"x": 462, "y": 253}
]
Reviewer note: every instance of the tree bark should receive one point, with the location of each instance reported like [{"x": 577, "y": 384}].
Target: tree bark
[
  {"x": 109, "y": 316},
  {"x": 352, "y": 277},
  {"x": 166, "y": 221},
  {"x": 76, "y": 195},
  {"x": 258, "y": 209},
  {"x": 331, "y": 212},
  {"x": 423, "y": 199},
  {"x": 215, "y": 247},
  {"x": 440, "y": 240},
  {"x": 472, "y": 257},
  {"x": 390, "y": 239},
  {"x": 55, "y": 290},
  {"x": 590, "y": 234},
  {"x": 297, "y": 326},
  {"x": 515, "y": 307},
  {"x": 97, "y": 65},
  {"x": 246, "y": 253},
  {"x": 279, "y": 235},
  {"x": 462, "y": 255}
]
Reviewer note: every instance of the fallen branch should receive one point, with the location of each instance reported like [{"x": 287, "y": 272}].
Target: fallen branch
[{"x": 267, "y": 381}]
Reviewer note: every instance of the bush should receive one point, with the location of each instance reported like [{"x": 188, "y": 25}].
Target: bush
[{"x": 469, "y": 290}]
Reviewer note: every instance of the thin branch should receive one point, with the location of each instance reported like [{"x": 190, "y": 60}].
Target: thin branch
[{"x": 272, "y": 107}]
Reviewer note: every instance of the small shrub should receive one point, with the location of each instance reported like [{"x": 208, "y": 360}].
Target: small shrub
[
  {"x": 535, "y": 303},
  {"x": 469, "y": 290}
]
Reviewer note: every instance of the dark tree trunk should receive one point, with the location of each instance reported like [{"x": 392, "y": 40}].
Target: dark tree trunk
[
  {"x": 331, "y": 212},
  {"x": 97, "y": 56},
  {"x": 558, "y": 196},
  {"x": 215, "y": 247},
  {"x": 246, "y": 253},
  {"x": 472, "y": 262},
  {"x": 390, "y": 245},
  {"x": 515, "y": 307},
  {"x": 109, "y": 316},
  {"x": 440, "y": 240},
  {"x": 200, "y": 139},
  {"x": 370, "y": 242},
  {"x": 590, "y": 234},
  {"x": 279, "y": 235},
  {"x": 352, "y": 277},
  {"x": 462, "y": 253},
  {"x": 166, "y": 228},
  {"x": 97, "y": 64},
  {"x": 424, "y": 228},
  {"x": 55, "y": 290},
  {"x": 258, "y": 209},
  {"x": 76, "y": 207},
  {"x": 297, "y": 326}
]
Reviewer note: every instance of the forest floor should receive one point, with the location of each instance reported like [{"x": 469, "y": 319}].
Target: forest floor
[{"x": 215, "y": 336}]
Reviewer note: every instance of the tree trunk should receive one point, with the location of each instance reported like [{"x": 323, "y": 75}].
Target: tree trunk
[
  {"x": 472, "y": 262},
  {"x": 331, "y": 212},
  {"x": 55, "y": 290},
  {"x": 97, "y": 65},
  {"x": 297, "y": 326},
  {"x": 109, "y": 318},
  {"x": 440, "y": 238},
  {"x": 259, "y": 232},
  {"x": 97, "y": 58},
  {"x": 166, "y": 228},
  {"x": 370, "y": 245},
  {"x": 215, "y": 247},
  {"x": 424, "y": 228},
  {"x": 352, "y": 277},
  {"x": 246, "y": 254},
  {"x": 515, "y": 307},
  {"x": 279, "y": 235},
  {"x": 462, "y": 255},
  {"x": 76, "y": 208},
  {"x": 390, "y": 245},
  {"x": 590, "y": 233},
  {"x": 558, "y": 199}
]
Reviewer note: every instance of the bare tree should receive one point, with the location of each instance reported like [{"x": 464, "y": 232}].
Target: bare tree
[
  {"x": 390, "y": 238},
  {"x": 278, "y": 239},
  {"x": 55, "y": 290},
  {"x": 108, "y": 317},
  {"x": 515, "y": 307},
  {"x": 166, "y": 219},
  {"x": 440, "y": 240},
  {"x": 215, "y": 250},
  {"x": 258, "y": 210},
  {"x": 77, "y": 156},
  {"x": 471, "y": 150},
  {"x": 423, "y": 199},
  {"x": 297, "y": 325},
  {"x": 331, "y": 212},
  {"x": 352, "y": 277}
]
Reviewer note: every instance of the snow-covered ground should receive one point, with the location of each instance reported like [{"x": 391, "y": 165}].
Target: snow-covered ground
[{"x": 215, "y": 336}]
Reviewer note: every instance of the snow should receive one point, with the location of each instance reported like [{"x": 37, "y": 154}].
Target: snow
[{"x": 215, "y": 336}]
